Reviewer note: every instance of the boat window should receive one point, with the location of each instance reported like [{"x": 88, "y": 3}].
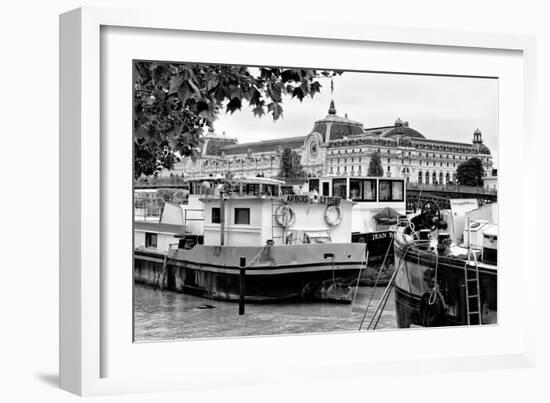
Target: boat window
[
  {"x": 314, "y": 185},
  {"x": 385, "y": 190},
  {"x": 216, "y": 217},
  {"x": 325, "y": 188},
  {"x": 151, "y": 240},
  {"x": 355, "y": 189},
  {"x": 252, "y": 189},
  {"x": 397, "y": 191},
  {"x": 236, "y": 189},
  {"x": 369, "y": 190},
  {"x": 391, "y": 190},
  {"x": 339, "y": 188},
  {"x": 242, "y": 216}
]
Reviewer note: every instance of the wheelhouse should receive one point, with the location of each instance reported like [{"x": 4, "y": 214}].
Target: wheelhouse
[
  {"x": 361, "y": 189},
  {"x": 370, "y": 196},
  {"x": 238, "y": 186}
]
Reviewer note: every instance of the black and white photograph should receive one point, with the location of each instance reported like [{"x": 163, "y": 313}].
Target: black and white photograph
[{"x": 273, "y": 200}]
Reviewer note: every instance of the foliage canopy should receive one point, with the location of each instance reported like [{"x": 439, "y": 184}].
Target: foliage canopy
[
  {"x": 174, "y": 102},
  {"x": 470, "y": 172},
  {"x": 290, "y": 166},
  {"x": 375, "y": 165}
]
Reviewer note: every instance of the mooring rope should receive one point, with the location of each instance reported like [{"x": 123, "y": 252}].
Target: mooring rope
[
  {"x": 365, "y": 260},
  {"x": 376, "y": 283},
  {"x": 385, "y": 295}
]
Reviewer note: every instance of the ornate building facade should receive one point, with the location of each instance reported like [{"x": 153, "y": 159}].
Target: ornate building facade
[{"x": 340, "y": 146}]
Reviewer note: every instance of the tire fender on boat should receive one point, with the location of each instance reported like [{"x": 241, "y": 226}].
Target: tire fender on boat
[
  {"x": 330, "y": 218},
  {"x": 285, "y": 215}
]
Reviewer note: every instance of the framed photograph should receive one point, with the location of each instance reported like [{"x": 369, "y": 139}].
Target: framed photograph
[{"x": 266, "y": 195}]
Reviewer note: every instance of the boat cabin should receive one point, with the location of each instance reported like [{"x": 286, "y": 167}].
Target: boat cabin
[
  {"x": 370, "y": 195},
  {"x": 159, "y": 224},
  {"x": 257, "y": 220}
]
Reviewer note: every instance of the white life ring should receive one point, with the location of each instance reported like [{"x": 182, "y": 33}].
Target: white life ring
[
  {"x": 285, "y": 215},
  {"x": 330, "y": 217}
]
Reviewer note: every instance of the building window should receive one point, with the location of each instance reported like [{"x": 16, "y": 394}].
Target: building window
[
  {"x": 242, "y": 216},
  {"x": 151, "y": 240},
  {"x": 420, "y": 177},
  {"x": 216, "y": 216}
]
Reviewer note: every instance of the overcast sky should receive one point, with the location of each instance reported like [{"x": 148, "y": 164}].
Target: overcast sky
[{"x": 443, "y": 108}]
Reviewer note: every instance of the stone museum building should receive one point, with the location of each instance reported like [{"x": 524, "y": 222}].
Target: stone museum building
[{"x": 337, "y": 145}]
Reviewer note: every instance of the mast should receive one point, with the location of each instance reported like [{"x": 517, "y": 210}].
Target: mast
[{"x": 222, "y": 216}]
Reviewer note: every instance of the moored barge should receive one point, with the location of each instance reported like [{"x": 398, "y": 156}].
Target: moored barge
[
  {"x": 306, "y": 244},
  {"x": 443, "y": 281}
]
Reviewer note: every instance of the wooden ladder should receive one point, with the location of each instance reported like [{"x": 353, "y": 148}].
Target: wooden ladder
[{"x": 473, "y": 317}]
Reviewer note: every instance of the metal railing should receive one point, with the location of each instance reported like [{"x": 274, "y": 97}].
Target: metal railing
[
  {"x": 148, "y": 213},
  {"x": 482, "y": 190},
  {"x": 160, "y": 181}
]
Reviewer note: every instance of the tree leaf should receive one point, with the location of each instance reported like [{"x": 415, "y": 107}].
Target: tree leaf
[
  {"x": 185, "y": 92},
  {"x": 258, "y": 111},
  {"x": 255, "y": 97},
  {"x": 175, "y": 83},
  {"x": 233, "y": 105},
  {"x": 298, "y": 93},
  {"x": 219, "y": 94},
  {"x": 276, "y": 110}
]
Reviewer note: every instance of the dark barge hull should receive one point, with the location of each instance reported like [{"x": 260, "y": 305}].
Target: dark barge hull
[
  {"x": 273, "y": 273},
  {"x": 416, "y": 276},
  {"x": 379, "y": 246}
]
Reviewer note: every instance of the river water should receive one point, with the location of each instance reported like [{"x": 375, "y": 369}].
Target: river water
[{"x": 167, "y": 315}]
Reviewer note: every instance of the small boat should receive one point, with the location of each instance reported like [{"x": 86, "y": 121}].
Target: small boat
[{"x": 447, "y": 267}]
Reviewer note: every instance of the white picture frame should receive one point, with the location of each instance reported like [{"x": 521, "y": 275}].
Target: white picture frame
[{"x": 89, "y": 318}]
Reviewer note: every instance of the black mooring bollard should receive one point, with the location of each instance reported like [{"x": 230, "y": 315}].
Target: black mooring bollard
[{"x": 242, "y": 288}]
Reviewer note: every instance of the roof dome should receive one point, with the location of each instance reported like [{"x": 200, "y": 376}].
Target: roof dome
[
  {"x": 477, "y": 131},
  {"x": 334, "y": 127},
  {"x": 398, "y": 122},
  {"x": 483, "y": 149}
]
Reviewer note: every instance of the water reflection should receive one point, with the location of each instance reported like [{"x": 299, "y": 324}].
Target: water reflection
[{"x": 166, "y": 315}]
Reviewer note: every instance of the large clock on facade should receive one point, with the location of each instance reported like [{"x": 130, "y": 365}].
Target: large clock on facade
[{"x": 313, "y": 149}]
